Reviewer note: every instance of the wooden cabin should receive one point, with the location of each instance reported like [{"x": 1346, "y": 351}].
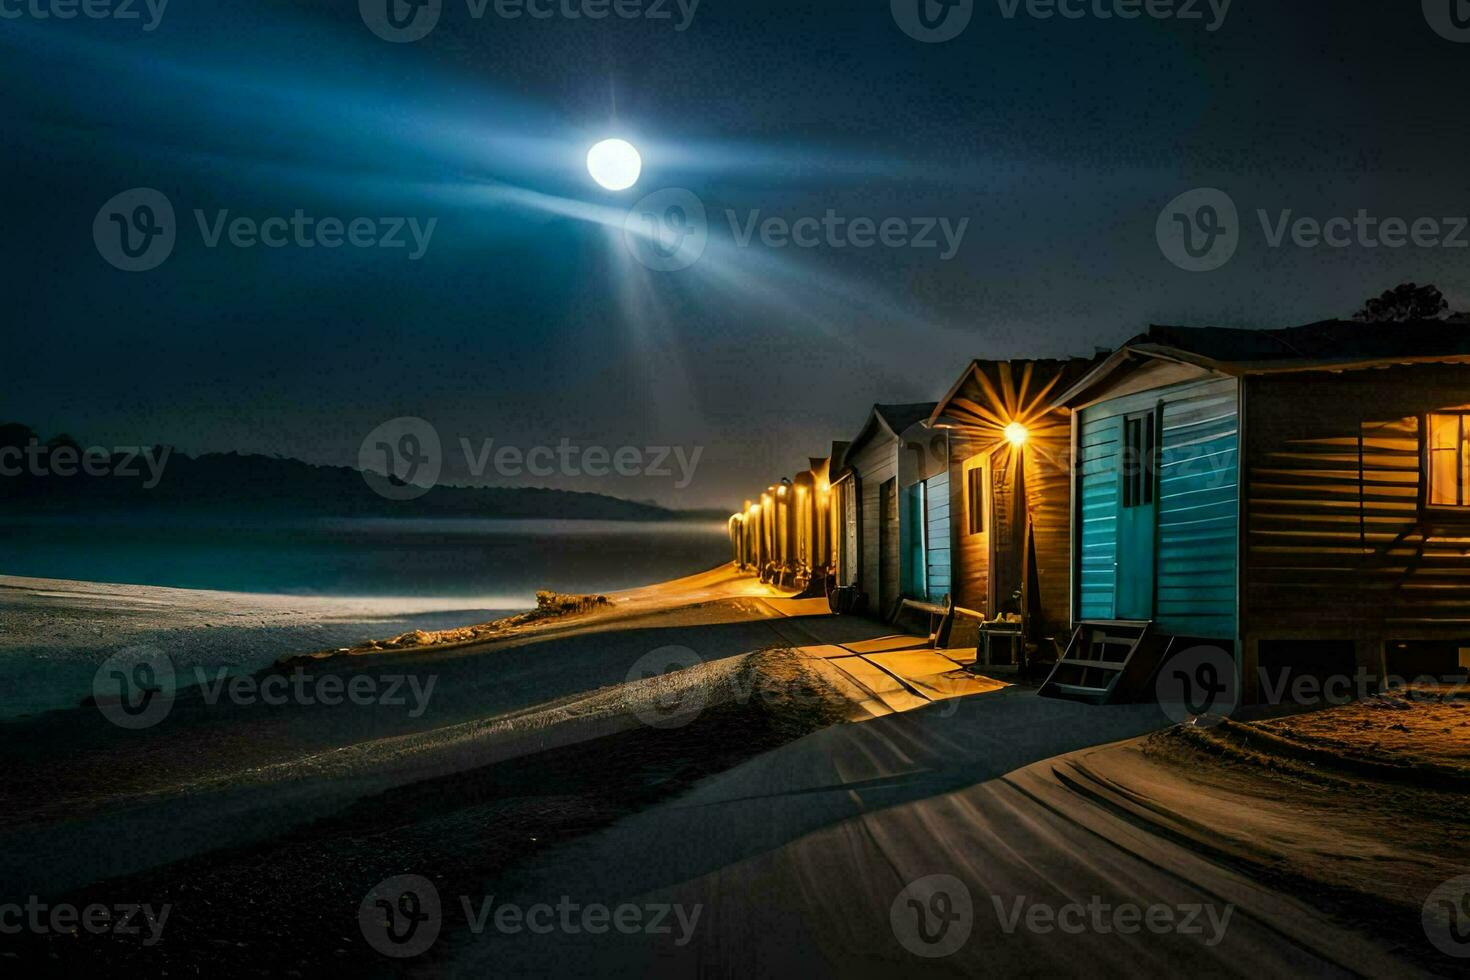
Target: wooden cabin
[
  {"x": 865, "y": 498},
  {"x": 1298, "y": 497},
  {"x": 1005, "y": 462}
]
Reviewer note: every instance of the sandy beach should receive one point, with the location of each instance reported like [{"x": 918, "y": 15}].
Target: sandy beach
[{"x": 791, "y": 777}]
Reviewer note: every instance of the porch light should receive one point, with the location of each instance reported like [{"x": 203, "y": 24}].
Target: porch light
[{"x": 1017, "y": 434}]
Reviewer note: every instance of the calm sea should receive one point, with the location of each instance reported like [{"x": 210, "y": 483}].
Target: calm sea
[{"x": 292, "y": 587}]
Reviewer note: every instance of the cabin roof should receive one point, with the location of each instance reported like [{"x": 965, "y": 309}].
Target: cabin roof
[
  {"x": 1046, "y": 374},
  {"x": 889, "y": 420},
  {"x": 1329, "y": 345}
]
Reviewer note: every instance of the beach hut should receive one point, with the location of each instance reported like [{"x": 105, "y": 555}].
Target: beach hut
[
  {"x": 1002, "y": 469},
  {"x": 1299, "y": 498},
  {"x": 868, "y": 496},
  {"x": 812, "y": 509}
]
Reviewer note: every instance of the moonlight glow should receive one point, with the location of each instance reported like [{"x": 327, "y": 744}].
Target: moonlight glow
[{"x": 615, "y": 164}]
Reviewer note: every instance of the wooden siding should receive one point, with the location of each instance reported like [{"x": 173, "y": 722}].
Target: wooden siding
[
  {"x": 1196, "y": 569},
  {"x": 991, "y": 395},
  {"x": 970, "y": 553},
  {"x": 1335, "y": 543},
  {"x": 875, "y": 464}
]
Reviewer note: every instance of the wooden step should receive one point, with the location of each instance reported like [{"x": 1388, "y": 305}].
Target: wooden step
[{"x": 1121, "y": 679}]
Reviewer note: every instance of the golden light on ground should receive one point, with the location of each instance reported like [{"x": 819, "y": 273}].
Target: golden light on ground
[{"x": 1017, "y": 434}]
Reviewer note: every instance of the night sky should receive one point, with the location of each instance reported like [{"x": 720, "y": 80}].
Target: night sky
[{"x": 527, "y": 319}]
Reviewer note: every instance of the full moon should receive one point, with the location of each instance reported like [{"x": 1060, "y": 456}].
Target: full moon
[{"x": 615, "y": 164}]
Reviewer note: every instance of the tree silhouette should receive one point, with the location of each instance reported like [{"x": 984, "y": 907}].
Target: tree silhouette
[{"x": 1406, "y": 301}]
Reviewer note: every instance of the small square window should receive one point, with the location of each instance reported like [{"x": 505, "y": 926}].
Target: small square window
[
  {"x": 1447, "y": 459},
  {"x": 977, "y": 478}
]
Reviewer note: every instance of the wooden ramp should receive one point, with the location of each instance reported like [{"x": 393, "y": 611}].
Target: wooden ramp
[{"x": 1108, "y": 662}]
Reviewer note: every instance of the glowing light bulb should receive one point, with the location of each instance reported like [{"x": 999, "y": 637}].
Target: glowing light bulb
[{"x": 1017, "y": 434}]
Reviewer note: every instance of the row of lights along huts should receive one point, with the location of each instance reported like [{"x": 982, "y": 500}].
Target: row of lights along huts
[{"x": 1299, "y": 498}]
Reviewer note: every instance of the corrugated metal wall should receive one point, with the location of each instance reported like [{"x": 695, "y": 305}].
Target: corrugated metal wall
[
  {"x": 1098, "y": 449},
  {"x": 1199, "y": 492}
]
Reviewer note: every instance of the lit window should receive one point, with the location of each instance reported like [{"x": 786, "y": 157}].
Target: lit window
[{"x": 1448, "y": 459}]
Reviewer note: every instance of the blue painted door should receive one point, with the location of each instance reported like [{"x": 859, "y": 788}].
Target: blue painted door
[
  {"x": 936, "y": 537},
  {"x": 912, "y": 534}
]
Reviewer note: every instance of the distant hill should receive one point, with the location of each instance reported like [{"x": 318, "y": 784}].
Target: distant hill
[{"x": 236, "y": 484}]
